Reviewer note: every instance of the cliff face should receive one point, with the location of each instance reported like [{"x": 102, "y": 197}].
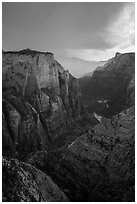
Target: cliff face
[
  {"x": 99, "y": 165},
  {"x": 108, "y": 91},
  {"x": 40, "y": 99}
]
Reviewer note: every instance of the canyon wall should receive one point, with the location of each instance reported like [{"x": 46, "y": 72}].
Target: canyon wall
[
  {"x": 109, "y": 89},
  {"x": 40, "y": 100}
]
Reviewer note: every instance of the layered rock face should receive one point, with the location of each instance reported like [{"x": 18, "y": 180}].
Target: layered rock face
[
  {"x": 107, "y": 92},
  {"x": 27, "y": 184},
  {"x": 97, "y": 166},
  {"x": 40, "y": 99}
]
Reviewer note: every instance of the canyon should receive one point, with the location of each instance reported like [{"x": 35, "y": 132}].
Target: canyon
[{"x": 67, "y": 139}]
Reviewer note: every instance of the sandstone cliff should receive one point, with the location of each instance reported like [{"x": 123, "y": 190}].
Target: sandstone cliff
[
  {"x": 40, "y": 100},
  {"x": 110, "y": 89}
]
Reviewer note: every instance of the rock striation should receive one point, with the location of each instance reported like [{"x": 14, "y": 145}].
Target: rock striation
[
  {"x": 110, "y": 89},
  {"x": 40, "y": 100}
]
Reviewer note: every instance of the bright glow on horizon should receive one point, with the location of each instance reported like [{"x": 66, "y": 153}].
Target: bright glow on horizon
[{"x": 121, "y": 33}]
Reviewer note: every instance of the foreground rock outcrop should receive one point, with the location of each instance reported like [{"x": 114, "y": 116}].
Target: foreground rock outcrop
[
  {"x": 111, "y": 88},
  {"x": 97, "y": 166},
  {"x": 24, "y": 183},
  {"x": 40, "y": 100}
]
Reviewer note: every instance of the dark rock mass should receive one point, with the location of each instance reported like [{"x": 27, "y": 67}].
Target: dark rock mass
[
  {"x": 99, "y": 165},
  {"x": 27, "y": 184},
  {"x": 107, "y": 92},
  {"x": 54, "y": 147}
]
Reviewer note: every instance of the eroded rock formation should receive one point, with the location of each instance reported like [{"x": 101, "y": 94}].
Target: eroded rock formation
[
  {"x": 68, "y": 155},
  {"x": 107, "y": 92},
  {"x": 40, "y": 100}
]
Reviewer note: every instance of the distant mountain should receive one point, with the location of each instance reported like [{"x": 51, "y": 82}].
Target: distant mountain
[
  {"x": 79, "y": 67},
  {"x": 89, "y": 74},
  {"x": 111, "y": 88}
]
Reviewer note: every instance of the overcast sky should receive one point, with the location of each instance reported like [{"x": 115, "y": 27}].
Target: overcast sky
[{"x": 90, "y": 31}]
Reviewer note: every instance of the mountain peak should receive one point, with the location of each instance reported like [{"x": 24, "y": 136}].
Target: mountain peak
[{"x": 117, "y": 54}]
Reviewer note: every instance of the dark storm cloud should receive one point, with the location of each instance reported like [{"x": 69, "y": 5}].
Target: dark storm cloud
[{"x": 59, "y": 25}]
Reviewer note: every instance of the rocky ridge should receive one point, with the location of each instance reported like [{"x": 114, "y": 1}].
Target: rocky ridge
[
  {"x": 27, "y": 184},
  {"x": 97, "y": 166}
]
